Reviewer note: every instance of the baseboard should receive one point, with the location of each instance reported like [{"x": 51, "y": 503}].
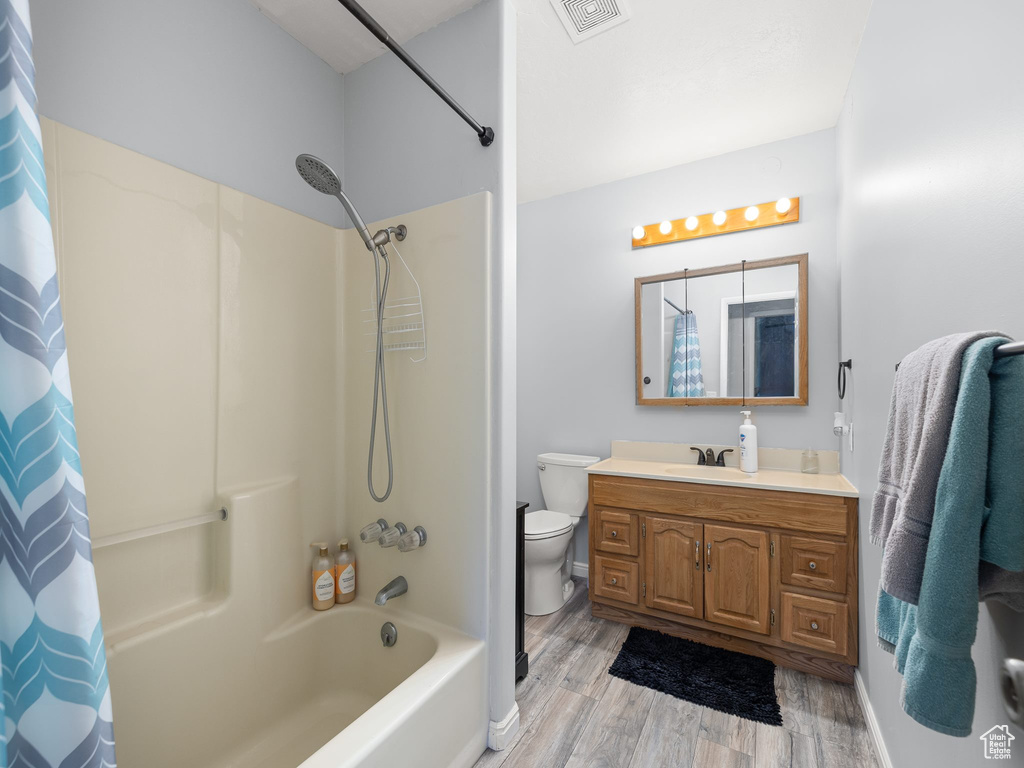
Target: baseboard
[
  {"x": 501, "y": 732},
  {"x": 869, "y": 716},
  {"x": 581, "y": 570}
]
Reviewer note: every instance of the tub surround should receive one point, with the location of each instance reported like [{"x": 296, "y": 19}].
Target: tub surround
[
  {"x": 257, "y": 409},
  {"x": 779, "y": 468},
  {"x": 763, "y": 564},
  {"x": 298, "y": 677}
]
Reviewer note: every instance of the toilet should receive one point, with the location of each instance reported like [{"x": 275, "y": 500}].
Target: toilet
[{"x": 549, "y": 550}]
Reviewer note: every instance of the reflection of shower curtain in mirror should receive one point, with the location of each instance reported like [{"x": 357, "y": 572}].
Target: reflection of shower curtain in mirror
[{"x": 686, "y": 378}]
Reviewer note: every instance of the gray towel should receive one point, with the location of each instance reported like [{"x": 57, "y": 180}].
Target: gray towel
[
  {"x": 920, "y": 414},
  {"x": 995, "y": 583}
]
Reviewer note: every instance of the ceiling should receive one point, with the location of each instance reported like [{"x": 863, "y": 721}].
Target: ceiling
[
  {"x": 680, "y": 81},
  {"x": 330, "y": 31}
]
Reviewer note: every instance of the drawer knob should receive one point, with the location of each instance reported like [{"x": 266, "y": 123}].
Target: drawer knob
[
  {"x": 616, "y": 581},
  {"x": 812, "y": 565},
  {"x": 615, "y": 534},
  {"x": 814, "y": 625}
]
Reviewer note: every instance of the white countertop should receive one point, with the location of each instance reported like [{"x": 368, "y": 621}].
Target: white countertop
[{"x": 768, "y": 479}]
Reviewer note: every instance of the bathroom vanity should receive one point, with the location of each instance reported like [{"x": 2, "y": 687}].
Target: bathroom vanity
[{"x": 763, "y": 564}]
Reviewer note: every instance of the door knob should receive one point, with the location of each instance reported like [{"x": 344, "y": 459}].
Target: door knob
[{"x": 647, "y": 379}]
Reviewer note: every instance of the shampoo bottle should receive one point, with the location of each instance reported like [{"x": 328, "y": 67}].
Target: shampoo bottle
[
  {"x": 748, "y": 445},
  {"x": 344, "y": 574},
  {"x": 323, "y": 577}
]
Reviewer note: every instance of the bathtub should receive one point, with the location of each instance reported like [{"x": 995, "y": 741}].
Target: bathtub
[{"x": 252, "y": 676}]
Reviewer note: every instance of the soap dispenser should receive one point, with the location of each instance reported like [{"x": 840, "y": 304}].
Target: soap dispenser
[
  {"x": 323, "y": 577},
  {"x": 344, "y": 574},
  {"x": 748, "y": 445}
]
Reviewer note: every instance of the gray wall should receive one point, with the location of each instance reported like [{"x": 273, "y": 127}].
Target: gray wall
[
  {"x": 576, "y": 270},
  {"x": 406, "y": 150},
  {"x": 214, "y": 88},
  {"x": 931, "y": 172}
]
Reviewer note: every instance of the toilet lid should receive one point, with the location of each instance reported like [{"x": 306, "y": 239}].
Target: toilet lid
[{"x": 543, "y": 523}]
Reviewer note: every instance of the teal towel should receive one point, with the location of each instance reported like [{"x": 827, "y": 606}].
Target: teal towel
[{"x": 979, "y": 514}]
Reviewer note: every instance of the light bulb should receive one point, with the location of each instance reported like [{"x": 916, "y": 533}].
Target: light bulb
[
  {"x": 639, "y": 233},
  {"x": 752, "y": 213},
  {"x": 783, "y": 205},
  {"x": 719, "y": 218},
  {"x": 665, "y": 227},
  {"x": 691, "y": 223}
]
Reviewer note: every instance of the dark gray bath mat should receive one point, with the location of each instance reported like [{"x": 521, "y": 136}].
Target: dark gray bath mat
[{"x": 730, "y": 682}]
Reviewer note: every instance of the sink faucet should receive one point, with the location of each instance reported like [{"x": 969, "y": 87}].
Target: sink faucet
[{"x": 397, "y": 586}]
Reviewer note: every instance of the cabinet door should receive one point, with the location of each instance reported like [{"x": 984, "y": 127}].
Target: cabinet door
[
  {"x": 674, "y": 574},
  {"x": 736, "y": 577}
]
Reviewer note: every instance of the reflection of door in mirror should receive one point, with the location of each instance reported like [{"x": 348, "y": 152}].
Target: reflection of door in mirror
[
  {"x": 760, "y": 339},
  {"x": 766, "y": 365}
]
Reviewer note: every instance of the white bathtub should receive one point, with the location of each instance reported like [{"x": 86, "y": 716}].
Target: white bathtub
[{"x": 253, "y": 677}]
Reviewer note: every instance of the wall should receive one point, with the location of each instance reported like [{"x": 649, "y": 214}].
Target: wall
[
  {"x": 214, "y": 88},
  {"x": 930, "y": 169},
  {"x": 406, "y": 150},
  {"x": 437, "y": 408},
  {"x": 196, "y": 320},
  {"x": 576, "y": 328}
]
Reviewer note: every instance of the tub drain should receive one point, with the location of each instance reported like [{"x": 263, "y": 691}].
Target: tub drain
[{"x": 388, "y": 634}]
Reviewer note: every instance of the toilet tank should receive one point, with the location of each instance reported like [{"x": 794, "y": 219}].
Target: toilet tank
[{"x": 563, "y": 481}]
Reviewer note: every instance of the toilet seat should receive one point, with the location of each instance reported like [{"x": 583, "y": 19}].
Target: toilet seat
[{"x": 546, "y": 524}]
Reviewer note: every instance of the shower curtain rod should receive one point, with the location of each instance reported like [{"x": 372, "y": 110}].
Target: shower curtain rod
[
  {"x": 485, "y": 134},
  {"x": 676, "y": 308}
]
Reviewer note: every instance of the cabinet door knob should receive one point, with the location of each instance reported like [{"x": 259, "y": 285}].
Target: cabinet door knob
[
  {"x": 616, "y": 581},
  {"x": 615, "y": 534},
  {"x": 812, "y": 565},
  {"x": 647, "y": 379},
  {"x": 814, "y": 625}
]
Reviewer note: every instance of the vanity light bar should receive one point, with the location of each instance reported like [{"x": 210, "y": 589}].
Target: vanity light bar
[{"x": 786, "y": 210}]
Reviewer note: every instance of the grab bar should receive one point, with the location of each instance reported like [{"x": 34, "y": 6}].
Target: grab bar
[{"x": 155, "y": 530}]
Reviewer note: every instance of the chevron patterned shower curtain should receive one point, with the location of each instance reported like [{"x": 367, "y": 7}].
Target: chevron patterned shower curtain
[
  {"x": 686, "y": 379},
  {"x": 54, "y": 698}
]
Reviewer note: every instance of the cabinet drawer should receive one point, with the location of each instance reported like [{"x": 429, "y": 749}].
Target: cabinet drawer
[
  {"x": 616, "y": 532},
  {"x": 616, "y": 579},
  {"x": 814, "y": 563},
  {"x": 814, "y": 623}
]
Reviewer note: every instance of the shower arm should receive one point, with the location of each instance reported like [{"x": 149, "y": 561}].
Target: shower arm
[{"x": 486, "y": 135}]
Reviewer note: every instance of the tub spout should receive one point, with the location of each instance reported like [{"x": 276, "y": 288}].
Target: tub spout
[{"x": 394, "y": 588}]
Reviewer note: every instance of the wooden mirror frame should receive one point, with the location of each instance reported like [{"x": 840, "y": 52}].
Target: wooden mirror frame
[{"x": 800, "y": 399}]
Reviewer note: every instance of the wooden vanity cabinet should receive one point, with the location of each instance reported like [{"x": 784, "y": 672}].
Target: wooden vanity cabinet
[{"x": 770, "y": 573}]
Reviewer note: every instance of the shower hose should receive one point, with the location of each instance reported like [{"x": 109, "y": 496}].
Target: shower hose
[{"x": 380, "y": 386}]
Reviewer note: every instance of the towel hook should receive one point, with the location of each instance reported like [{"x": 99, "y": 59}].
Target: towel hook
[{"x": 843, "y": 366}]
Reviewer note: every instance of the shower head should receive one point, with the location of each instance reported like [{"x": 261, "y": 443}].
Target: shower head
[
  {"x": 318, "y": 174},
  {"x": 321, "y": 177}
]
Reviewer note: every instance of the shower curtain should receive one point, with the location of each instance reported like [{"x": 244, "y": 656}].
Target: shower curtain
[
  {"x": 686, "y": 378},
  {"x": 54, "y": 698}
]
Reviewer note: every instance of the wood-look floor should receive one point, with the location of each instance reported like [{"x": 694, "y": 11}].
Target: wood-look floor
[{"x": 573, "y": 713}]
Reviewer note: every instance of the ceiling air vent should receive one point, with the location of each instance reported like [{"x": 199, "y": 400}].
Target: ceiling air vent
[{"x": 585, "y": 18}]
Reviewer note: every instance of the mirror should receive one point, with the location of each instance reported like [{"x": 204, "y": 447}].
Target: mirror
[{"x": 724, "y": 335}]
